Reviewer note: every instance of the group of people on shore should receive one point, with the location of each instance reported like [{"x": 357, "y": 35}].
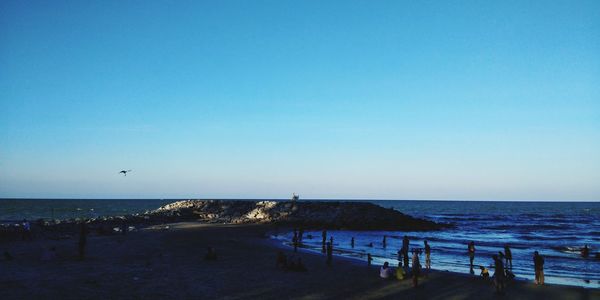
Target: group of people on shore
[{"x": 501, "y": 262}]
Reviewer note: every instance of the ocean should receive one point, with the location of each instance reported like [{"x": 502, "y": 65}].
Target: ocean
[{"x": 556, "y": 229}]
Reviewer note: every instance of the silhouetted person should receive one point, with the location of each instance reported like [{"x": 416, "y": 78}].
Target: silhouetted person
[
  {"x": 352, "y": 242},
  {"x": 471, "y": 251},
  {"x": 384, "y": 241},
  {"x": 508, "y": 256},
  {"x": 295, "y": 242},
  {"x": 427, "y": 256},
  {"x": 538, "y": 264},
  {"x": 498, "y": 274},
  {"x": 329, "y": 253},
  {"x": 369, "y": 259},
  {"x": 324, "y": 236},
  {"x": 416, "y": 269},
  {"x": 124, "y": 227},
  {"x": 331, "y": 240},
  {"x": 82, "y": 239},
  {"x": 281, "y": 261},
  {"x": 300, "y": 235},
  {"x": 405, "y": 246},
  {"x": 400, "y": 251},
  {"x": 211, "y": 254},
  {"x": 585, "y": 251}
]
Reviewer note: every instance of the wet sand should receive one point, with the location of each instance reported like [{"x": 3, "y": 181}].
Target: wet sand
[{"x": 169, "y": 264}]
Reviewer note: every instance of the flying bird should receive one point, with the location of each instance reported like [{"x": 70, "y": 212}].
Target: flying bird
[{"x": 124, "y": 172}]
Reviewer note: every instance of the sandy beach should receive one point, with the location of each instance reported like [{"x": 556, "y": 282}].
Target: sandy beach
[{"x": 167, "y": 262}]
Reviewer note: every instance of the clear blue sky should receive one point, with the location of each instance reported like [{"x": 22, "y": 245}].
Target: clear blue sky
[{"x": 330, "y": 99}]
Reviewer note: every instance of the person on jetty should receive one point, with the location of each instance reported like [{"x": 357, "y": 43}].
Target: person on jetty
[
  {"x": 585, "y": 251},
  {"x": 83, "y": 232},
  {"x": 385, "y": 271},
  {"x": 405, "y": 245},
  {"x": 508, "y": 257},
  {"x": 471, "y": 251},
  {"x": 427, "y": 256},
  {"x": 416, "y": 268},
  {"x": 400, "y": 273},
  {"x": 485, "y": 273},
  {"x": 499, "y": 279},
  {"x": 211, "y": 254},
  {"x": 329, "y": 253},
  {"x": 369, "y": 259},
  {"x": 384, "y": 242},
  {"x": 538, "y": 264}
]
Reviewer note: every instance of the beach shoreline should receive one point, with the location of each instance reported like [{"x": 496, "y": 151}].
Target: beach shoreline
[{"x": 166, "y": 261}]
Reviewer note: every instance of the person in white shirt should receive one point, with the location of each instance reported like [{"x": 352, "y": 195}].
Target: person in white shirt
[{"x": 385, "y": 271}]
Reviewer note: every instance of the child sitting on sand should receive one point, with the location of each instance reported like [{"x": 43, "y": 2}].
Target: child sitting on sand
[
  {"x": 485, "y": 273},
  {"x": 385, "y": 271},
  {"x": 400, "y": 273}
]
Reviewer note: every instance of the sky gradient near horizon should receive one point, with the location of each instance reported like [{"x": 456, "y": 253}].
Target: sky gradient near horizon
[{"x": 330, "y": 99}]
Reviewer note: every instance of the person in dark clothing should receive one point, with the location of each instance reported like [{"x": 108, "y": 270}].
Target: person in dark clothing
[
  {"x": 471, "y": 251},
  {"x": 82, "y": 239},
  {"x": 405, "y": 246},
  {"x": 300, "y": 235},
  {"x": 324, "y": 236},
  {"x": 384, "y": 241},
  {"x": 508, "y": 257},
  {"x": 499, "y": 277},
  {"x": 329, "y": 253},
  {"x": 427, "y": 256},
  {"x": 538, "y": 264},
  {"x": 585, "y": 251},
  {"x": 352, "y": 242},
  {"x": 369, "y": 259}
]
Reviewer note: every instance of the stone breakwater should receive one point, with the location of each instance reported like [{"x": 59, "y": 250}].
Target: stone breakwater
[{"x": 308, "y": 214}]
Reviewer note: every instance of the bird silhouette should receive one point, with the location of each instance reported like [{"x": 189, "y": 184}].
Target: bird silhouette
[{"x": 124, "y": 172}]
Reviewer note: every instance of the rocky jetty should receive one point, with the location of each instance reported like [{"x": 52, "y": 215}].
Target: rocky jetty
[{"x": 309, "y": 214}]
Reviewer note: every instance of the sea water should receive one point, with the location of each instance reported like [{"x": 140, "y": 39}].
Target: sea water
[{"x": 557, "y": 230}]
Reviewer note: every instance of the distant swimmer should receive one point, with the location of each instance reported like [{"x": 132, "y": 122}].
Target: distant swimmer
[{"x": 124, "y": 172}]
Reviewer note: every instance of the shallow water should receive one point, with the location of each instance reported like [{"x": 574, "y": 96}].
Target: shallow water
[{"x": 556, "y": 229}]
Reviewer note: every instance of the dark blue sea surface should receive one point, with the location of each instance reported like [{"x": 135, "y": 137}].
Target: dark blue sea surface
[{"x": 556, "y": 229}]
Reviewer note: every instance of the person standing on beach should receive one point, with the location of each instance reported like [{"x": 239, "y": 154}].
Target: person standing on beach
[
  {"x": 300, "y": 235},
  {"x": 324, "y": 236},
  {"x": 352, "y": 242},
  {"x": 498, "y": 274},
  {"x": 416, "y": 269},
  {"x": 295, "y": 240},
  {"x": 369, "y": 259},
  {"x": 427, "y": 256},
  {"x": 329, "y": 253},
  {"x": 384, "y": 241},
  {"x": 508, "y": 257},
  {"x": 405, "y": 245},
  {"x": 471, "y": 250},
  {"x": 82, "y": 240},
  {"x": 538, "y": 264}
]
